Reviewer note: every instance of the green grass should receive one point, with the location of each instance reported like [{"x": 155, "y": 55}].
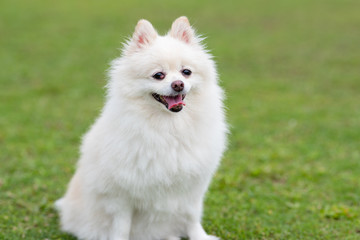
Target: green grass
[{"x": 291, "y": 70}]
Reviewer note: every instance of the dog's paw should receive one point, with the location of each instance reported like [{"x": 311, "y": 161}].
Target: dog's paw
[
  {"x": 173, "y": 238},
  {"x": 210, "y": 237}
]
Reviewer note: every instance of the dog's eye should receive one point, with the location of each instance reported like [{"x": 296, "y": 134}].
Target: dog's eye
[
  {"x": 159, "y": 76},
  {"x": 186, "y": 72}
]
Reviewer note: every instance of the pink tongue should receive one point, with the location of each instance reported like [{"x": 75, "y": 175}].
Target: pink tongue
[{"x": 174, "y": 101}]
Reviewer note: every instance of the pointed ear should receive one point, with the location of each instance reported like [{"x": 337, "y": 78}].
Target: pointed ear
[
  {"x": 182, "y": 30},
  {"x": 144, "y": 34}
]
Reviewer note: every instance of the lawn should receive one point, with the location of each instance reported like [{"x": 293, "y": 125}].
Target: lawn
[{"x": 291, "y": 70}]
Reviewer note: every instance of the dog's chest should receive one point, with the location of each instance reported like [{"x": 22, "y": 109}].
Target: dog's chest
[{"x": 159, "y": 162}]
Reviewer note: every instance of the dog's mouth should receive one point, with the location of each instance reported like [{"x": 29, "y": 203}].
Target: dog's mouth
[{"x": 172, "y": 103}]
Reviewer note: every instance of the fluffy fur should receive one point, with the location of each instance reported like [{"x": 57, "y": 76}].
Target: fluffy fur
[{"x": 144, "y": 170}]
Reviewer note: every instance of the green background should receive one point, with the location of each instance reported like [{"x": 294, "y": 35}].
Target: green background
[{"x": 291, "y": 70}]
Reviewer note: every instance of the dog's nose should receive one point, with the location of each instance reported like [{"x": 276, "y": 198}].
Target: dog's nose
[{"x": 177, "y": 85}]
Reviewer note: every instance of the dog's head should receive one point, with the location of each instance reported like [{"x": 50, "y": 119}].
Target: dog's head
[{"x": 164, "y": 71}]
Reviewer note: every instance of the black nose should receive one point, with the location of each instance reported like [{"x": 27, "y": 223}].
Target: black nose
[{"x": 177, "y": 85}]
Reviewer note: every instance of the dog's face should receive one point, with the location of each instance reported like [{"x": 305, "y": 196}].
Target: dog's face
[{"x": 166, "y": 69}]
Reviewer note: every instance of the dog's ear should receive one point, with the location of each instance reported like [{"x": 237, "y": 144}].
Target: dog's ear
[
  {"x": 182, "y": 30},
  {"x": 144, "y": 34}
]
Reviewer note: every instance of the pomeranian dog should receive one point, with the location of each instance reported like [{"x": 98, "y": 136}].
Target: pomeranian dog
[{"x": 147, "y": 161}]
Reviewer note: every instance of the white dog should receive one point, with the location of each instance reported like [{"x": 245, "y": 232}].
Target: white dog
[{"x": 146, "y": 163}]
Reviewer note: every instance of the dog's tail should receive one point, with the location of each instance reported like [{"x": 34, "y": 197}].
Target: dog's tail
[{"x": 58, "y": 204}]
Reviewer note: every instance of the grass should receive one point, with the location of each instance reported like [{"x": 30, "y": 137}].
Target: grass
[{"x": 292, "y": 76}]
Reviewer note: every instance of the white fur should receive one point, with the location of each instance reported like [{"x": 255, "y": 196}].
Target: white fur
[{"x": 144, "y": 170}]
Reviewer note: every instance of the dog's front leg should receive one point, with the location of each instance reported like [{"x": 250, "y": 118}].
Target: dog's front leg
[
  {"x": 121, "y": 222},
  {"x": 120, "y": 229},
  {"x": 195, "y": 230}
]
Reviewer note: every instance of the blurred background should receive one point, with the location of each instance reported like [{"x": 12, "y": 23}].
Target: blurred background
[{"x": 291, "y": 71}]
